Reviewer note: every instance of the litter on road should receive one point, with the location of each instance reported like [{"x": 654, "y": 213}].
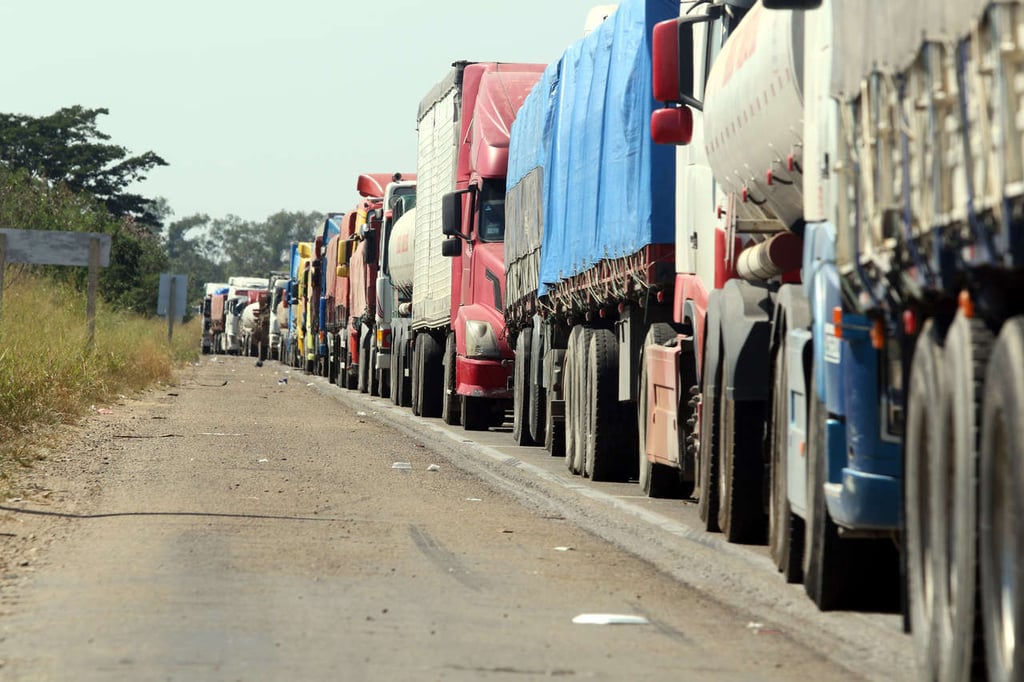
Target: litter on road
[
  {"x": 433, "y": 467},
  {"x": 609, "y": 619},
  {"x": 401, "y": 465}
]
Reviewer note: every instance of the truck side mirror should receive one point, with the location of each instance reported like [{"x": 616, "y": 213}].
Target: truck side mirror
[
  {"x": 451, "y": 248},
  {"x": 791, "y": 4},
  {"x": 672, "y": 66},
  {"x": 451, "y": 214},
  {"x": 673, "y": 125}
]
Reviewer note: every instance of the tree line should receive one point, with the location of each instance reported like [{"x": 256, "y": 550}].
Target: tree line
[{"x": 61, "y": 172}]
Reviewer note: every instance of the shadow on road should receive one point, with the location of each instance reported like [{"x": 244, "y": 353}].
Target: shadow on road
[{"x": 67, "y": 515}]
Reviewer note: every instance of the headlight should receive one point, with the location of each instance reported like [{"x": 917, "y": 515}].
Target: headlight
[{"x": 481, "y": 341}]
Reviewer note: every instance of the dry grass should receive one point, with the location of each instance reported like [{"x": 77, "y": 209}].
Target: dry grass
[{"x": 48, "y": 377}]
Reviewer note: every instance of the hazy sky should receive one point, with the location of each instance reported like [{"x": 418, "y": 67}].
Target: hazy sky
[{"x": 261, "y": 106}]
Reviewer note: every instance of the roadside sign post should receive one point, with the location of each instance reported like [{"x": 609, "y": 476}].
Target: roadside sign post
[
  {"x": 3, "y": 268},
  {"x": 52, "y": 247},
  {"x": 94, "y": 284},
  {"x": 171, "y": 300}
]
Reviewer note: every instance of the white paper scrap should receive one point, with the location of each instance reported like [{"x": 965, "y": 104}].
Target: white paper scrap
[{"x": 609, "y": 619}]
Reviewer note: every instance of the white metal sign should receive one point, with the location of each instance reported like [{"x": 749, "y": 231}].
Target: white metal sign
[{"x": 49, "y": 247}]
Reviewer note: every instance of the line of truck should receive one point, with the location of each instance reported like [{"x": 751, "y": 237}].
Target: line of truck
[
  {"x": 235, "y": 317},
  {"x": 759, "y": 254}
]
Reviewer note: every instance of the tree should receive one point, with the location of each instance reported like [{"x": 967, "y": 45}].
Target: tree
[
  {"x": 191, "y": 251},
  {"x": 254, "y": 249},
  {"x": 136, "y": 256},
  {"x": 66, "y": 147}
]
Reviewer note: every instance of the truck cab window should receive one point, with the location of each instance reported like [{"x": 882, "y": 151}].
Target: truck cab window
[{"x": 492, "y": 211}]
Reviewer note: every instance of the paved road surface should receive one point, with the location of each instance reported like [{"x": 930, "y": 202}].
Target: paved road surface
[{"x": 256, "y": 530}]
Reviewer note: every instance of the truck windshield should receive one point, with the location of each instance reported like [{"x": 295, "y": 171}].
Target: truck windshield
[{"x": 492, "y": 211}]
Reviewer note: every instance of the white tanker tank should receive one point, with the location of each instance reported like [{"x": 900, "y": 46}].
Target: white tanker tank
[
  {"x": 753, "y": 115},
  {"x": 401, "y": 257}
]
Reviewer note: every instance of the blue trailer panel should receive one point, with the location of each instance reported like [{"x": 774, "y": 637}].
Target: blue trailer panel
[{"x": 605, "y": 189}]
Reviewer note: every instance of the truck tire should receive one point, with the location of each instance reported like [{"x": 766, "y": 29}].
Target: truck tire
[
  {"x": 333, "y": 362},
  {"x": 371, "y": 369},
  {"x": 826, "y": 564},
  {"x": 711, "y": 387},
  {"x": 554, "y": 429},
  {"x": 350, "y": 373},
  {"x": 401, "y": 389},
  {"x": 431, "y": 375},
  {"x": 521, "y": 389},
  {"x": 451, "y": 405},
  {"x": 960, "y": 637},
  {"x": 741, "y": 516},
  {"x": 785, "y": 529},
  {"x": 536, "y": 400},
  {"x": 474, "y": 413},
  {"x": 568, "y": 375},
  {"x": 1000, "y": 490},
  {"x": 384, "y": 378},
  {"x": 415, "y": 373},
  {"x": 575, "y": 414},
  {"x": 841, "y": 573},
  {"x": 395, "y": 377},
  {"x": 656, "y": 480},
  {"x": 921, "y": 451},
  {"x": 363, "y": 382},
  {"x": 610, "y": 438}
]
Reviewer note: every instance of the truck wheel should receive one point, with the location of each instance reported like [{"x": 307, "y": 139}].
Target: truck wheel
[
  {"x": 332, "y": 360},
  {"x": 825, "y": 561},
  {"x": 575, "y": 383},
  {"x": 351, "y": 369},
  {"x": 960, "y": 642},
  {"x": 521, "y": 389},
  {"x": 431, "y": 375},
  {"x": 568, "y": 375},
  {"x": 371, "y": 369},
  {"x": 384, "y": 377},
  {"x": 707, "y": 503},
  {"x": 838, "y": 573},
  {"x": 415, "y": 373},
  {"x": 451, "y": 407},
  {"x": 554, "y": 429},
  {"x": 921, "y": 452},
  {"x": 741, "y": 516},
  {"x": 609, "y": 436},
  {"x": 400, "y": 390},
  {"x": 656, "y": 480},
  {"x": 363, "y": 382},
  {"x": 785, "y": 529},
  {"x": 475, "y": 414},
  {"x": 536, "y": 400},
  {"x": 1001, "y": 488}
]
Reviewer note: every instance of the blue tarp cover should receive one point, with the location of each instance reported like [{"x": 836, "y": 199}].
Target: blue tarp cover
[{"x": 606, "y": 189}]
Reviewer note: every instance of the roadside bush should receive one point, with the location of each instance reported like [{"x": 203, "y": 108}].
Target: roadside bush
[{"x": 48, "y": 376}]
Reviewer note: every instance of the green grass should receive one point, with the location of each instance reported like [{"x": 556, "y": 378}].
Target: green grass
[{"x": 48, "y": 376}]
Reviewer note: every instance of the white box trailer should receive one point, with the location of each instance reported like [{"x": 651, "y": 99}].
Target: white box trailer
[{"x": 436, "y": 164}]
